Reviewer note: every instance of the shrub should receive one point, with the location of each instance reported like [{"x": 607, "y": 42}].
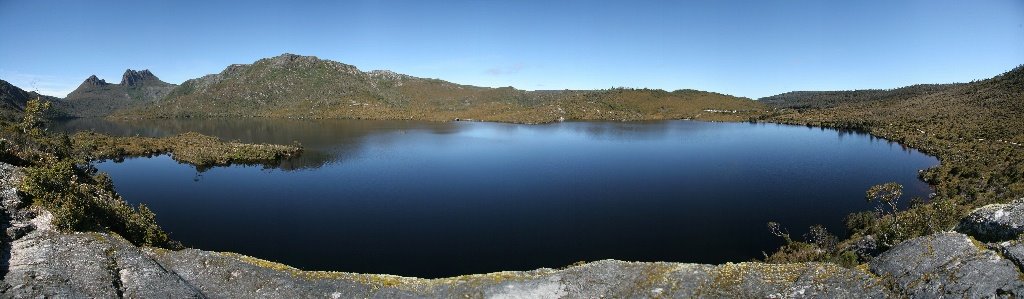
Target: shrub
[
  {"x": 861, "y": 222},
  {"x": 79, "y": 201},
  {"x": 818, "y": 245}
]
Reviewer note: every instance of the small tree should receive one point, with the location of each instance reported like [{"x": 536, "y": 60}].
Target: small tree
[
  {"x": 780, "y": 232},
  {"x": 889, "y": 195},
  {"x": 34, "y": 120}
]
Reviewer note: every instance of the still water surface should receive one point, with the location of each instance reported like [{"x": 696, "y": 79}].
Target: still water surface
[{"x": 440, "y": 199}]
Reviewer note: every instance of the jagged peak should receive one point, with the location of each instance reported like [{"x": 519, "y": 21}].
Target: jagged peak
[
  {"x": 288, "y": 58},
  {"x": 389, "y": 75},
  {"x": 133, "y": 77},
  {"x": 292, "y": 60},
  {"x": 94, "y": 81}
]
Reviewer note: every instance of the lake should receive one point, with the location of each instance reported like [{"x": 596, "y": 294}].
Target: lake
[{"x": 433, "y": 199}]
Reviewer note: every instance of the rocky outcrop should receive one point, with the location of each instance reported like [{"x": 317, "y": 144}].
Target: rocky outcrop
[
  {"x": 948, "y": 264},
  {"x": 996, "y": 222},
  {"x": 1012, "y": 250},
  {"x": 136, "y": 78},
  {"x": 230, "y": 275},
  {"x": 93, "y": 81}
]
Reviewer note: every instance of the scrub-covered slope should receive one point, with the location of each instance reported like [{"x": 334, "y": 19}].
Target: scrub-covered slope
[{"x": 308, "y": 87}]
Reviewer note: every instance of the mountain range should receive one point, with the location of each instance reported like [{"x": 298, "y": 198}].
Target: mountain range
[
  {"x": 97, "y": 98},
  {"x": 13, "y": 99},
  {"x": 296, "y": 86}
]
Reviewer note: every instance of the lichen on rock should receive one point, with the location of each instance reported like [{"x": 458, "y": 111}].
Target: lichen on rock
[{"x": 995, "y": 222}]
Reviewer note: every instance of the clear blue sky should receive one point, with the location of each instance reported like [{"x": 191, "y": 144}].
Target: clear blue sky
[{"x": 744, "y": 48}]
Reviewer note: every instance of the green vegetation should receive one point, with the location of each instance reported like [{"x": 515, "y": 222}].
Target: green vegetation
[
  {"x": 889, "y": 194},
  {"x": 193, "y": 148},
  {"x": 60, "y": 181},
  {"x": 819, "y": 245},
  {"x": 974, "y": 129},
  {"x": 307, "y": 87}
]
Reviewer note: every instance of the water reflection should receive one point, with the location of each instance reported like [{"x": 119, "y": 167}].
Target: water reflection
[
  {"x": 323, "y": 141},
  {"x": 439, "y": 199}
]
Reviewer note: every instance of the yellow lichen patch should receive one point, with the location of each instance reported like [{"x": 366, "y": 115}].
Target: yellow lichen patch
[
  {"x": 977, "y": 244},
  {"x": 263, "y": 263},
  {"x": 373, "y": 280},
  {"x": 158, "y": 251},
  {"x": 483, "y": 278},
  {"x": 863, "y": 268},
  {"x": 657, "y": 275},
  {"x": 732, "y": 275}
]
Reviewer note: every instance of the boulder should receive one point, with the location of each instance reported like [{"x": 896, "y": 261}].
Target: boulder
[
  {"x": 948, "y": 265},
  {"x": 1013, "y": 251},
  {"x": 995, "y": 222}
]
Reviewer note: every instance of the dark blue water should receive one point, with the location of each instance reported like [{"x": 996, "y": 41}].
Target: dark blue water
[{"x": 441, "y": 199}]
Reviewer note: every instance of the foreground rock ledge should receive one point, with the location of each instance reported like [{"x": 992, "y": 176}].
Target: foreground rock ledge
[{"x": 50, "y": 264}]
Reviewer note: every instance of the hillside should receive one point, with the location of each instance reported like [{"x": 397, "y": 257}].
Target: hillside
[
  {"x": 96, "y": 98},
  {"x": 973, "y": 128},
  {"x": 12, "y": 100},
  {"x": 976, "y": 123},
  {"x": 826, "y": 99},
  {"x": 307, "y": 87}
]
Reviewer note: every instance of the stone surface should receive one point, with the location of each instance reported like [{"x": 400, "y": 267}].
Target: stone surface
[
  {"x": 996, "y": 222},
  {"x": 231, "y": 275},
  {"x": 948, "y": 265},
  {"x": 93, "y": 81},
  {"x": 133, "y": 77}
]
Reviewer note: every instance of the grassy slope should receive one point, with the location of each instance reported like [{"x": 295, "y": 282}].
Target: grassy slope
[
  {"x": 974, "y": 129},
  {"x": 307, "y": 87}
]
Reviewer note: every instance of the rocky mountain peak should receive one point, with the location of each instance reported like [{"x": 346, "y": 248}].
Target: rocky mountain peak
[
  {"x": 94, "y": 81},
  {"x": 290, "y": 59},
  {"x": 133, "y": 77}
]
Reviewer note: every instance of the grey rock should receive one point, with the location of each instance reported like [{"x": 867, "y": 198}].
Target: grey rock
[
  {"x": 50, "y": 264},
  {"x": 948, "y": 265},
  {"x": 93, "y": 81},
  {"x": 995, "y": 222},
  {"x": 232, "y": 275},
  {"x": 1013, "y": 251},
  {"x": 98, "y": 265},
  {"x": 134, "y": 78}
]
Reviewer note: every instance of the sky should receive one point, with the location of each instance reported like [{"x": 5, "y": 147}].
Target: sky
[{"x": 743, "y": 48}]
